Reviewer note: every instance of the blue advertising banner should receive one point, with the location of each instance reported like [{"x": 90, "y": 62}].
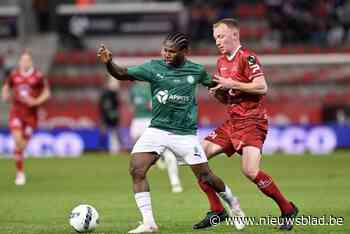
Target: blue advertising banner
[{"x": 292, "y": 139}]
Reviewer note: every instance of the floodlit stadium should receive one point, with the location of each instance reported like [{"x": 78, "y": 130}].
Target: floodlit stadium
[{"x": 68, "y": 129}]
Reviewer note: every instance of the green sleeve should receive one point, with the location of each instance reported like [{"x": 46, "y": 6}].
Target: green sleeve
[
  {"x": 206, "y": 79},
  {"x": 142, "y": 72}
]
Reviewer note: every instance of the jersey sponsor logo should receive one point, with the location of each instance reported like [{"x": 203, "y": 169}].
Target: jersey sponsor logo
[
  {"x": 162, "y": 96},
  {"x": 160, "y": 76},
  {"x": 190, "y": 79}
]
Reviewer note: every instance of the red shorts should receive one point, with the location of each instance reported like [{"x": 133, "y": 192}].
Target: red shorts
[
  {"x": 232, "y": 135},
  {"x": 26, "y": 125}
]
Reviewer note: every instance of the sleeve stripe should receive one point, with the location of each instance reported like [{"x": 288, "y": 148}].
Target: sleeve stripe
[{"x": 255, "y": 75}]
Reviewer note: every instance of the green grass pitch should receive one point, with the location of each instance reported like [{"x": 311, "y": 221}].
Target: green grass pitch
[{"x": 319, "y": 185}]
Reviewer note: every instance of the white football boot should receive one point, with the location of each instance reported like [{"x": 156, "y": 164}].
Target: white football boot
[
  {"x": 237, "y": 215},
  {"x": 20, "y": 178},
  {"x": 145, "y": 227},
  {"x": 176, "y": 188}
]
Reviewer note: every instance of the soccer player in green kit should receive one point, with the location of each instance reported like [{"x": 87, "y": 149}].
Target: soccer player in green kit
[
  {"x": 173, "y": 81},
  {"x": 141, "y": 99}
]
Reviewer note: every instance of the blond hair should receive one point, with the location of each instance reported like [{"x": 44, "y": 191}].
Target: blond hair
[{"x": 229, "y": 22}]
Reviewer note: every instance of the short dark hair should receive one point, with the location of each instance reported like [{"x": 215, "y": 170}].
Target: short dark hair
[
  {"x": 180, "y": 40},
  {"x": 229, "y": 22}
]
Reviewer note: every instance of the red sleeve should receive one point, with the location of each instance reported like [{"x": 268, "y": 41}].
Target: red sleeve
[
  {"x": 41, "y": 79},
  {"x": 251, "y": 66}
]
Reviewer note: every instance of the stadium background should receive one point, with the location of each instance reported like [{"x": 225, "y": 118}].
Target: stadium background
[{"x": 303, "y": 46}]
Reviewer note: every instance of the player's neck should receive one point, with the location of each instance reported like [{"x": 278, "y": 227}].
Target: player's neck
[
  {"x": 233, "y": 53},
  {"x": 26, "y": 72}
]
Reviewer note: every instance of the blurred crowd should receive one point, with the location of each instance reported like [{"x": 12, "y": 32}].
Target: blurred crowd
[
  {"x": 317, "y": 22},
  {"x": 313, "y": 22}
]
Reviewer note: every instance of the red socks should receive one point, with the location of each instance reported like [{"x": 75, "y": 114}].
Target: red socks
[
  {"x": 19, "y": 160},
  {"x": 214, "y": 201},
  {"x": 270, "y": 189}
]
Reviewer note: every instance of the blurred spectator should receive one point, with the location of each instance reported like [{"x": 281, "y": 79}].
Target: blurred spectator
[
  {"x": 202, "y": 17},
  {"x": 298, "y": 21},
  {"x": 109, "y": 104},
  {"x": 203, "y": 14},
  {"x": 339, "y": 32},
  {"x": 9, "y": 61},
  {"x": 41, "y": 9}
]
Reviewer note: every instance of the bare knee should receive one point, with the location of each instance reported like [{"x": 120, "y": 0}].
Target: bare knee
[
  {"x": 20, "y": 142},
  {"x": 137, "y": 173},
  {"x": 211, "y": 149},
  {"x": 250, "y": 172}
]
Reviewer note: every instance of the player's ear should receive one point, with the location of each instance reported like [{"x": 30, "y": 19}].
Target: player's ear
[{"x": 184, "y": 51}]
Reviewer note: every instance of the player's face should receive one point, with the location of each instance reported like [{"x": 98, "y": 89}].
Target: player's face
[
  {"x": 227, "y": 39},
  {"x": 25, "y": 62},
  {"x": 171, "y": 54}
]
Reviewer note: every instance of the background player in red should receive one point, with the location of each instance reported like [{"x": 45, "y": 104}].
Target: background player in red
[
  {"x": 240, "y": 77},
  {"x": 26, "y": 89}
]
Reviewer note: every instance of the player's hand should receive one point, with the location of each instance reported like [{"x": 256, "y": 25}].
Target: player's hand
[
  {"x": 226, "y": 82},
  {"x": 30, "y": 101},
  {"x": 212, "y": 91},
  {"x": 104, "y": 54}
]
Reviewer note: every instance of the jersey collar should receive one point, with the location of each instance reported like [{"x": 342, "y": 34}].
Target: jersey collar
[
  {"x": 28, "y": 73},
  {"x": 231, "y": 56}
]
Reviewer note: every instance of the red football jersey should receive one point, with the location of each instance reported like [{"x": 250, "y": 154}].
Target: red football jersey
[
  {"x": 243, "y": 65},
  {"x": 22, "y": 86}
]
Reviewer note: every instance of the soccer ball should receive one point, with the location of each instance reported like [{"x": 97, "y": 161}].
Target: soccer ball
[{"x": 84, "y": 218}]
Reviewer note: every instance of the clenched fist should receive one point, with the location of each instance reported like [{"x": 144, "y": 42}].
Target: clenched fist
[{"x": 104, "y": 54}]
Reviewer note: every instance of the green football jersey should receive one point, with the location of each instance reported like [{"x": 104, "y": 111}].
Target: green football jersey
[
  {"x": 140, "y": 97},
  {"x": 173, "y": 89}
]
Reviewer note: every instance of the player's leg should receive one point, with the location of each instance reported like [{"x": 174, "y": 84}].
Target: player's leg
[
  {"x": 139, "y": 165},
  {"x": 195, "y": 156},
  {"x": 215, "y": 143},
  {"x": 20, "y": 145},
  {"x": 251, "y": 158},
  {"x": 173, "y": 172},
  {"x": 208, "y": 180},
  {"x": 113, "y": 140},
  {"x": 211, "y": 150},
  {"x": 145, "y": 153}
]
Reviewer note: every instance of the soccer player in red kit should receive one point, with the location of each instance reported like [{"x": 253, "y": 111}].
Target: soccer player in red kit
[
  {"x": 26, "y": 89},
  {"x": 240, "y": 76}
]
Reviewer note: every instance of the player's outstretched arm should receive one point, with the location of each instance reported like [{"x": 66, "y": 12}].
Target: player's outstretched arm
[{"x": 105, "y": 56}]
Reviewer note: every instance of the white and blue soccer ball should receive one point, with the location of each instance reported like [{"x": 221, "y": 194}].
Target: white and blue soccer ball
[{"x": 84, "y": 218}]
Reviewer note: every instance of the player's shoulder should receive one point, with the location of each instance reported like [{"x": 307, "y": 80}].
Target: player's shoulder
[
  {"x": 248, "y": 55},
  {"x": 191, "y": 64},
  {"x": 246, "y": 52},
  {"x": 14, "y": 72},
  {"x": 38, "y": 73},
  {"x": 155, "y": 62}
]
